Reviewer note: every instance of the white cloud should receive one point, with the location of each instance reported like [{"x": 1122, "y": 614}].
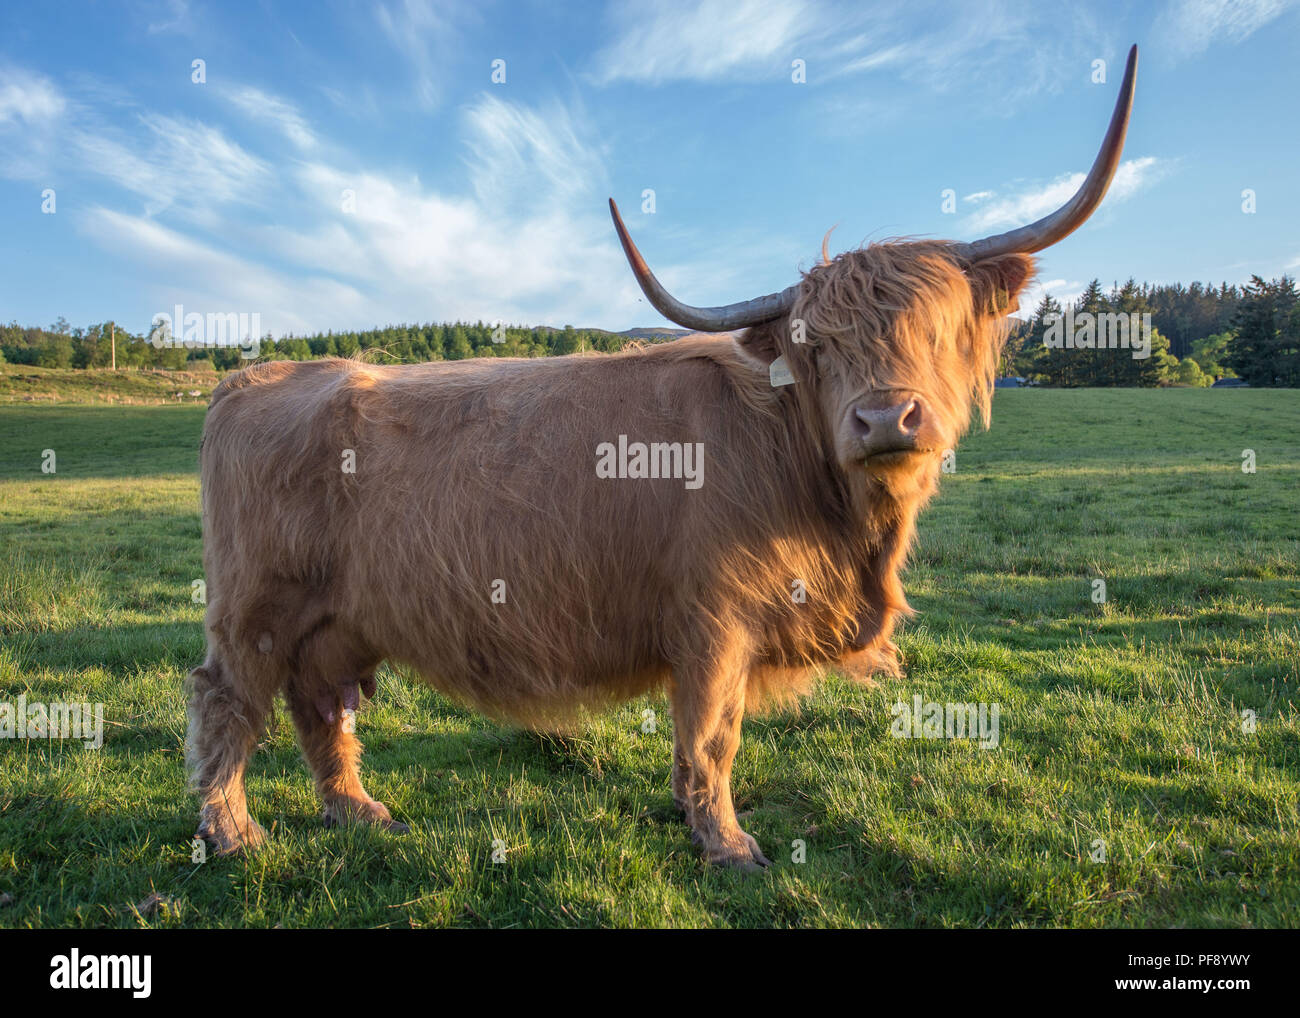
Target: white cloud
[
  {"x": 1135, "y": 174},
  {"x": 33, "y": 110},
  {"x": 704, "y": 41},
  {"x": 174, "y": 16},
  {"x": 207, "y": 280},
  {"x": 1032, "y": 204},
  {"x": 750, "y": 40},
  {"x": 978, "y": 196},
  {"x": 525, "y": 241},
  {"x": 1032, "y": 47},
  {"x": 28, "y": 97},
  {"x": 891, "y": 56},
  {"x": 270, "y": 109},
  {"x": 1065, "y": 291},
  {"x": 177, "y": 163},
  {"x": 528, "y": 243},
  {"x": 522, "y": 237},
  {"x": 517, "y": 153},
  {"x": 170, "y": 162},
  {"x": 423, "y": 33},
  {"x": 1013, "y": 49},
  {"x": 1191, "y": 26}
]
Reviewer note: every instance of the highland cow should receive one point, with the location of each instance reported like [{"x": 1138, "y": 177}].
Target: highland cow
[{"x": 452, "y": 517}]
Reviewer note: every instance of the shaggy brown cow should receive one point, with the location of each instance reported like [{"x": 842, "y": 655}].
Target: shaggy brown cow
[{"x": 468, "y": 519}]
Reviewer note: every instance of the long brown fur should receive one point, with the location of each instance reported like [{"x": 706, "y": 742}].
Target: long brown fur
[{"x": 473, "y": 472}]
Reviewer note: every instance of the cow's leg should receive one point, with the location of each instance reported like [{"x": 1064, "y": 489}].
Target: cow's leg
[
  {"x": 681, "y": 774},
  {"x": 227, "y": 713},
  {"x": 708, "y": 706},
  {"x": 681, "y": 779},
  {"x": 324, "y": 696}
]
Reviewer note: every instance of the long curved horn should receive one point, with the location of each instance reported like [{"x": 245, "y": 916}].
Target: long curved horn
[
  {"x": 720, "y": 319},
  {"x": 1070, "y": 216},
  {"x": 1027, "y": 239}
]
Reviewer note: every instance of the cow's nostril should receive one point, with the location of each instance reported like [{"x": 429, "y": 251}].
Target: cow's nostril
[{"x": 912, "y": 419}]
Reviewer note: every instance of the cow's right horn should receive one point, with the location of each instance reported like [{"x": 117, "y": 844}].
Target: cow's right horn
[{"x": 719, "y": 319}]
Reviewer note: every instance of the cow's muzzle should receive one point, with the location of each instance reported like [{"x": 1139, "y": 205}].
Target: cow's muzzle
[{"x": 881, "y": 431}]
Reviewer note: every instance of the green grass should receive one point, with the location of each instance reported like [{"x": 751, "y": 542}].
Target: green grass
[{"x": 1119, "y": 722}]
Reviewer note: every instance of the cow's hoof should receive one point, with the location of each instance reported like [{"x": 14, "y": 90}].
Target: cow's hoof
[
  {"x": 741, "y": 854},
  {"x": 370, "y": 811},
  {"x": 229, "y": 838}
]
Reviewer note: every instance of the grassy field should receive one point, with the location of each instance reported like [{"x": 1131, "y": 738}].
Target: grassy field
[
  {"x": 1120, "y": 722},
  {"x": 20, "y": 383}
]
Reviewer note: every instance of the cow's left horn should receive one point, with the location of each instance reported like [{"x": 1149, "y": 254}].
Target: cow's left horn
[
  {"x": 1070, "y": 216},
  {"x": 720, "y": 319}
]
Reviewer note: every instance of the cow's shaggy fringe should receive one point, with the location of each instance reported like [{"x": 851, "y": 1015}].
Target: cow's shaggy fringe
[{"x": 476, "y": 478}]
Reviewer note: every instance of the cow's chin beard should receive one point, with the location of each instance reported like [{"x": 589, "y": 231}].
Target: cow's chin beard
[
  {"x": 903, "y": 475},
  {"x": 887, "y": 463}
]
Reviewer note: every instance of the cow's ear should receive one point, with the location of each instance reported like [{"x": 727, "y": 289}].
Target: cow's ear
[
  {"x": 996, "y": 283},
  {"x": 761, "y": 341}
]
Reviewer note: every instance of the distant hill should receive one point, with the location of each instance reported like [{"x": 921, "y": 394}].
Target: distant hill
[
  {"x": 651, "y": 333},
  {"x": 641, "y": 333}
]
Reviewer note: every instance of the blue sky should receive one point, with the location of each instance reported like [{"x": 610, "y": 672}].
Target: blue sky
[{"x": 481, "y": 200}]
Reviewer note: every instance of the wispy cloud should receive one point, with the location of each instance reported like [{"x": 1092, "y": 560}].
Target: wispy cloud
[
  {"x": 33, "y": 111},
  {"x": 1066, "y": 291},
  {"x": 1035, "y": 202},
  {"x": 1190, "y": 27},
  {"x": 1009, "y": 48},
  {"x": 524, "y": 240},
  {"x": 513, "y": 149},
  {"x": 531, "y": 217},
  {"x": 520, "y": 237},
  {"x": 1020, "y": 46},
  {"x": 28, "y": 97},
  {"x": 173, "y": 162},
  {"x": 207, "y": 279},
  {"x": 706, "y": 41},
  {"x": 422, "y": 32},
  {"x": 170, "y": 162},
  {"x": 170, "y": 16},
  {"x": 272, "y": 110}
]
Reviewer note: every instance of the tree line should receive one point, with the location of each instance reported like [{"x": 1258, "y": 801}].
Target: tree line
[
  {"x": 1172, "y": 335},
  {"x": 63, "y": 346},
  {"x": 1167, "y": 335}
]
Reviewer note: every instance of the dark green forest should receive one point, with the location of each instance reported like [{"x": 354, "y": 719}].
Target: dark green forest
[
  {"x": 1197, "y": 334},
  {"x": 63, "y": 346},
  {"x": 1192, "y": 335}
]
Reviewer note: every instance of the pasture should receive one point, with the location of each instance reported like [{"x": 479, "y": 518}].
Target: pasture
[{"x": 1121, "y": 723}]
